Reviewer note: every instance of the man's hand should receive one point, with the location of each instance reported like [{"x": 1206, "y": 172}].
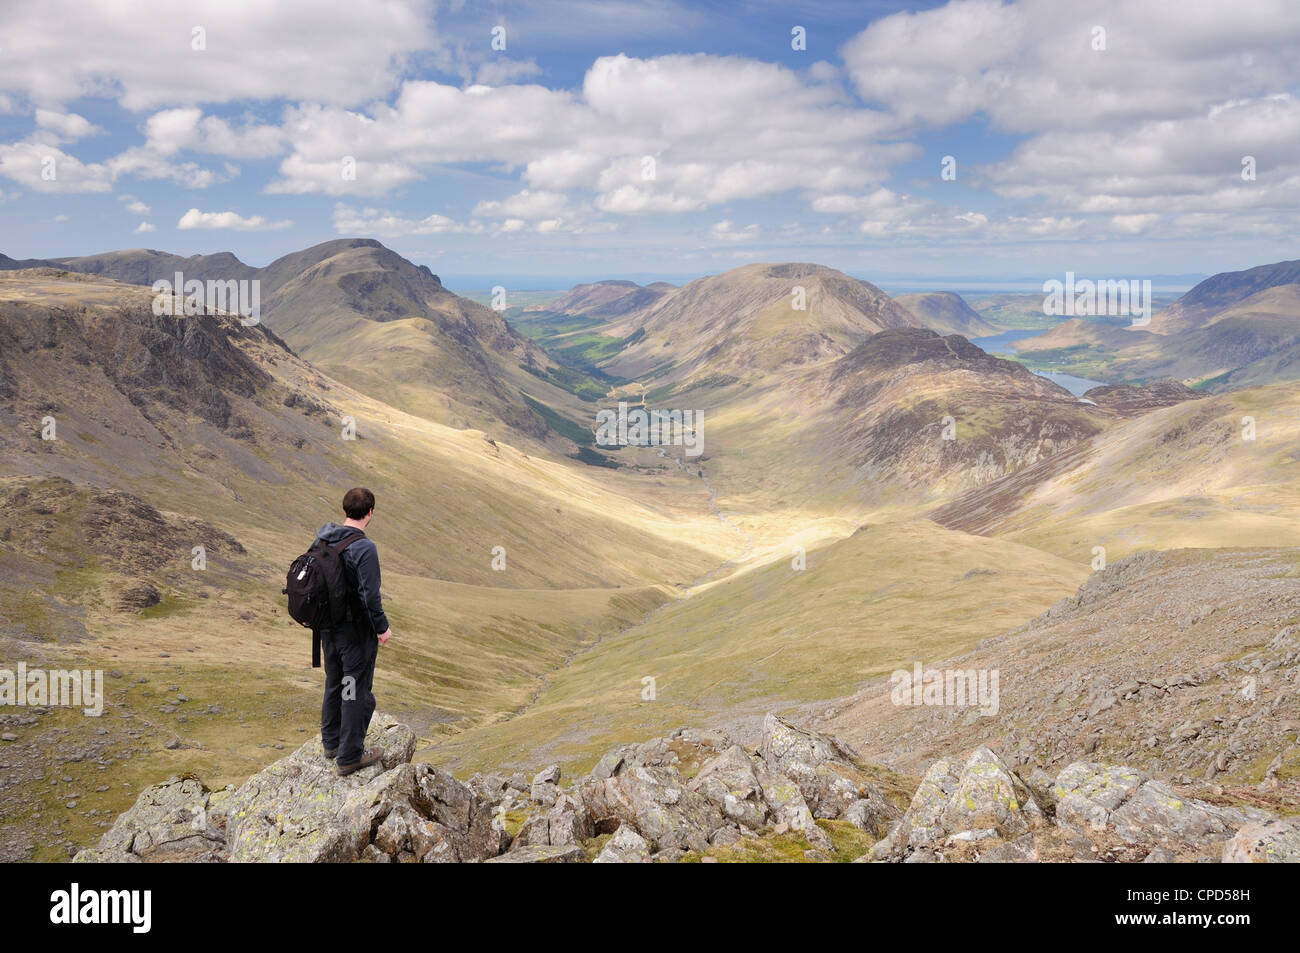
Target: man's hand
[{"x": 384, "y": 637}]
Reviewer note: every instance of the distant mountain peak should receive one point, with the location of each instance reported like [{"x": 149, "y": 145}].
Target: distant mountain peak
[
  {"x": 1200, "y": 306},
  {"x": 946, "y": 312},
  {"x": 756, "y": 318},
  {"x": 611, "y": 298}
]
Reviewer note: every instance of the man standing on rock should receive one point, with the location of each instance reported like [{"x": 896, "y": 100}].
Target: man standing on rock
[{"x": 350, "y": 649}]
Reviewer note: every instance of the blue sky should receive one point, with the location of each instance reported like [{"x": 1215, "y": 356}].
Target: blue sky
[{"x": 669, "y": 139}]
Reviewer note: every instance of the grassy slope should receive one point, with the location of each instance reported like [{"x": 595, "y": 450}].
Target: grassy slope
[
  {"x": 774, "y": 637},
  {"x": 1178, "y": 477}
]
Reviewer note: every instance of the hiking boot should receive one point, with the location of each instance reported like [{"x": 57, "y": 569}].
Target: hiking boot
[
  {"x": 330, "y": 753},
  {"x": 367, "y": 759}
]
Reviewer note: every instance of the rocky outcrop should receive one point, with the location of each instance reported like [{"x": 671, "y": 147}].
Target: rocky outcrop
[
  {"x": 982, "y": 810},
  {"x": 656, "y": 803},
  {"x": 168, "y": 822},
  {"x": 1156, "y": 815},
  {"x": 978, "y": 800},
  {"x": 625, "y": 847},
  {"x": 821, "y": 767},
  {"x": 730, "y": 781},
  {"x": 689, "y": 793},
  {"x": 299, "y": 810},
  {"x": 795, "y": 777},
  {"x": 1140, "y": 811},
  {"x": 1087, "y": 793},
  {"x": 1275, "y": 843}
]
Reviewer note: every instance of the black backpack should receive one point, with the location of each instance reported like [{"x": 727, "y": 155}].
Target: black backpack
[{"x": 318, "y": 591}]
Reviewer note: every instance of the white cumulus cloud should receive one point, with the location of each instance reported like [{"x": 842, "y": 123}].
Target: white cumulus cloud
[
  {"x": 227, "y": 220},
  {"x": 66, "y": 126}
]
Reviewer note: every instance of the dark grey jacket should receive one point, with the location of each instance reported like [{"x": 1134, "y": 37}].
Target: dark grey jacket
[{"x": 361, "y": 562}]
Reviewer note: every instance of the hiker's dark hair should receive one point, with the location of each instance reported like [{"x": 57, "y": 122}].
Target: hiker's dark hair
[{"x": 357, "y": 502}]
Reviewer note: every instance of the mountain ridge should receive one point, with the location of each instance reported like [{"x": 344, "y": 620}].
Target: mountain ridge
[
  {"x": 1219, "y": 292},
  {"x": 444, "y": 356},
  {"x": 948, "y": 313}
]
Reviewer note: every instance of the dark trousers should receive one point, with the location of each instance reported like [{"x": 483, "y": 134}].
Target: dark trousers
[{"x": 349, "y": 703}]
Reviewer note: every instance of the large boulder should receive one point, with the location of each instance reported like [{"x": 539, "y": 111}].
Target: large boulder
[
  {"x": 655, "y": 803},
  {"x": 922, "y": 823},
  {"x": 958, "y": 798},
  {"x": 565, "y": 824},
  {"x": 1087, "y": 793},
  {"x": 1156, "y": 814},
  {"x": 535, "y": 831},
  {"x": 168, "y": 822},
  {"x": 1275, "y": 843},
  {"x": 407, "y": 835},
  {"x": 625, "y": 847},
  {"x": 874, "y": 813},
  {"x": 491, "y": 789},
  {"x": 568, "y": 822},
  {"x": 545, "y": 787},
  {"x": 1148, "y": 814},
  {"x": 608, "y": 766},
  {"x": 823, "y": 768},
  {"x": 729, "y": 781},
  {"x": 990, "y": 795},
  {"x": 465, "y": 818},
  {"x": 299, "y": 809},
  {"x": 788, "y": 808}
]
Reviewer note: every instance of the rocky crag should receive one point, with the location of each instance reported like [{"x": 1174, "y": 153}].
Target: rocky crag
[{"x": 692, "y": 796}]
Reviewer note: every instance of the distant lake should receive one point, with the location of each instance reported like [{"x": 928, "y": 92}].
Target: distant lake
[
  {"x": 1077, "y": 386},
  {"x": 1001, "y": 344}
]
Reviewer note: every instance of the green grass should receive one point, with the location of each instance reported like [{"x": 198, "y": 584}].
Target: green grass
[
  {"x": 166, "y": 608},
  {"x": 1081, "y": 360},
  {"x": 545, "y": 327},
  {"x": 589, "y": 351},
  {"x": 1212, "y": 382},
  {"x": 561, "y": 424},
  {"x": 582, "y": 384},
  {"x": 593, "y": 458},
  {"x": 570, "y": 340},
  {"x": 847, "y": 844}
]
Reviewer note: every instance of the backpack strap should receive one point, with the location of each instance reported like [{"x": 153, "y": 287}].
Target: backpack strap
[
  {"x": 341, "y": 544},
  {"x": 345, "y": 542}
]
